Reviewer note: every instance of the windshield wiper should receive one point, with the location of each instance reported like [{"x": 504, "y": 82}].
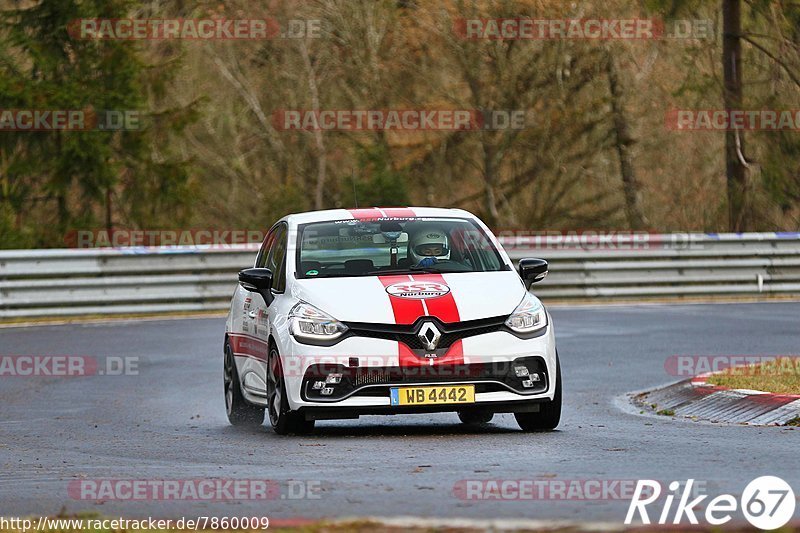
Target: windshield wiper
[{"x": 409, "y": 270}]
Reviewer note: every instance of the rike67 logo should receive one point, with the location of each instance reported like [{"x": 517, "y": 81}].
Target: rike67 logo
[{"x": 767, "y": 502}]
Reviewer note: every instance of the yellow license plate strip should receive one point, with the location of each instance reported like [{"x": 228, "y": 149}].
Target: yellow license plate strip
[{"x": 438, "y": 395}]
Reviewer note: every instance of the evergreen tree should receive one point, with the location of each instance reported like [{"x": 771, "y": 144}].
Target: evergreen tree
[{"x": 57, "y": 180}]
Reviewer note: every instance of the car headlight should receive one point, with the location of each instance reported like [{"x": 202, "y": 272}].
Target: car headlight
[
  {"x": 307, "y": 323},
  {"x": 529, "y": 316}
]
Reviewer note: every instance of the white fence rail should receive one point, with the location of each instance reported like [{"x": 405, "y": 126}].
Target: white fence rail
[{"x": 35, "y": 283}]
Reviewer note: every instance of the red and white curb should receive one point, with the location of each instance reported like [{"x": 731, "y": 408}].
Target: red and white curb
[{"x": 697, "y": 399}]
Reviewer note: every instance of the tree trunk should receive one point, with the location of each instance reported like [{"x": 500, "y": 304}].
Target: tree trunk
[
  {"x": 624, "y": 141},
  {"x": 739, "y": 217},
  {"x": 490, "y": 195},
  {"x": 109, "y": 211},
  {"x": 319, "y": 141}
]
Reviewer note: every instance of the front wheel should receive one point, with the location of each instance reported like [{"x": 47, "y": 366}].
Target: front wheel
[
  {"x": 240, "y": 413},
  {"x": 549, "y": 414},
  {"x": 283, "y": 421}
]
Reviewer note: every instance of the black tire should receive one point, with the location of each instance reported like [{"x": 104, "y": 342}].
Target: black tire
[
  {"x": 282, "y": 420},
  {"x": 240, "y": 413},
  {"x": 475, "y": 418},
  {"x": 549, "y": 414}
]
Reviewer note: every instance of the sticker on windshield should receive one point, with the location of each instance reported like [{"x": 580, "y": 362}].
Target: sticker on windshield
[
  {"x": 312, "y": 272},
  {"x": 417, "y": 290}
]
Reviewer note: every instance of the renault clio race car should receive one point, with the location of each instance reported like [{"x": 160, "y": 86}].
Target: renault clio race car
[{"x": 388, "y": 311}]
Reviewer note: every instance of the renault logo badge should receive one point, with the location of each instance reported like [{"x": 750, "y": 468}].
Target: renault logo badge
[{"x": 429, "y": 335}]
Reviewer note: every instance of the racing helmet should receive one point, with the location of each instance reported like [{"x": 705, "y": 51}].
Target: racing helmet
[{"x": 430, "y": 242}]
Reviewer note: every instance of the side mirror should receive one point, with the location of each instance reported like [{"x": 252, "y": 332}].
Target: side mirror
[
  {"x": 532, "y": 270},
  {"x": 257, "y": 280}
]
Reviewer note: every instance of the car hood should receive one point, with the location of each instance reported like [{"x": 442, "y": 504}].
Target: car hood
[{"x": 402, "y": 299}]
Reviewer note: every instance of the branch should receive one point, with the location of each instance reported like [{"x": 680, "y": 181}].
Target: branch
[{"x": 770, "y": 55}]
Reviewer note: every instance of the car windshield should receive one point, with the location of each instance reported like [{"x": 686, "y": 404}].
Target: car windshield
[{"x": 394, "y": 246}]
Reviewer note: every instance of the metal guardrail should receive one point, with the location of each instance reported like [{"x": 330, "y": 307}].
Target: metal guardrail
[{"x": 50, "y": 283}]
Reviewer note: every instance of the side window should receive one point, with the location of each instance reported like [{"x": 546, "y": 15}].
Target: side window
[
  {"x": 263, "y": 254},
  {"x": 277, "y": 259}
]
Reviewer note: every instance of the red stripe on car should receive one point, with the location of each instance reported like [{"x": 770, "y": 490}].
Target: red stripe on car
[
  {"x": 443, "y": 307},
  {"x": 248, "y": 346},
  {"x": 399, "y": 212},
  {"x": 405, "y": 310},
  {"x": 371, "y": 213},
  {"x": 454, "y": 356},
  {"x": 366, "y": 213},
  {"x": 407, "y": 357}
]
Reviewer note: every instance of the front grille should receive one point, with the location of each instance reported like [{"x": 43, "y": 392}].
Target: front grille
[
  {"x": 408, "y": 334},
  {"x": 427, "y": 374},
  {"x": 371, "y": 378}
]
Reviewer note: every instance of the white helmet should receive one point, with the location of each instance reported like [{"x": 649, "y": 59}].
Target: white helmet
[{"x": 428, "y": 243}]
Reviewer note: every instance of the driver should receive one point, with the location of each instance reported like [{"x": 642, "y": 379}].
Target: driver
[{"x": 427, "y": 247}]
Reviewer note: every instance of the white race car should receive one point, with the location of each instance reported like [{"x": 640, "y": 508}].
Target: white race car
[{"x": 388, "y": 311}]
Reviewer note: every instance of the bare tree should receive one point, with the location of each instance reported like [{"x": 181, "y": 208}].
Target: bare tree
[
  {"x": 623, "y": 142},
  {"x": 736, "y": 165},
  {"x": 319, "y": 139}
]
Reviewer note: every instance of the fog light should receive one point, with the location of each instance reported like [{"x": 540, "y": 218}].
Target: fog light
[
  {"x": 333, "y": 379},
  {"x": 327, "y": 391},
  {"x": 318, "y": 385},
  {"x": 527, "y": 383},
  {"x": 535, "y": 377},
  {"x": 521, "y": 371}
]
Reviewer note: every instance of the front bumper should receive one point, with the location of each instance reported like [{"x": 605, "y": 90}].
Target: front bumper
[
  {"x": 370, "y": 367},
  {"x": 331, "y": 383},
  {"x": 337, "y": 412}
]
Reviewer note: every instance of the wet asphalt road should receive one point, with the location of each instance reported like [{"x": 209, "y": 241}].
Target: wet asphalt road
[{"x": 168, "y": 422}]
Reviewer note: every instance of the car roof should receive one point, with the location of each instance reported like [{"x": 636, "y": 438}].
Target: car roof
[{"x": 374, "y": 212}]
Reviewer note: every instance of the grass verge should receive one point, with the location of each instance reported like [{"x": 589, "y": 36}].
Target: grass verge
[{"x": 779, "y": 376}]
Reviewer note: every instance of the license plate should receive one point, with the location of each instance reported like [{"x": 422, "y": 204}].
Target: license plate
[{"x": 433, "y": 395}]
